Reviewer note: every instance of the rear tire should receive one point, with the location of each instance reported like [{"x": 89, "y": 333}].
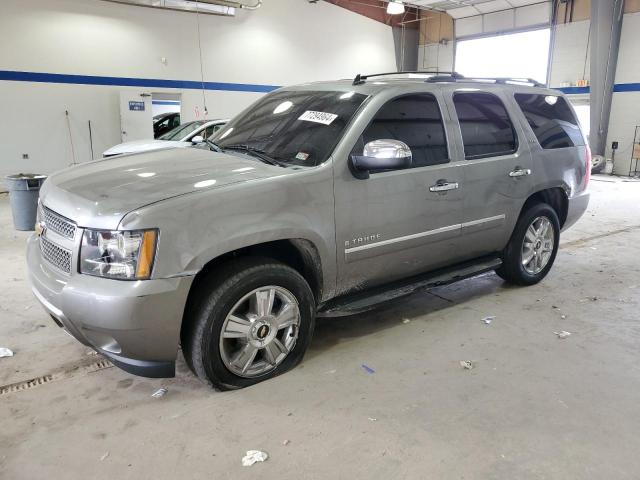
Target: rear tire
[
  {"x": 533, "y": 246},
  {"x": 597, "y": 164},
  {"x": 250, "y": 321}
]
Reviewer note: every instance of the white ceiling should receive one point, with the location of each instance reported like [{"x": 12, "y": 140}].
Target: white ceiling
[{"x": 469, "y": 8}]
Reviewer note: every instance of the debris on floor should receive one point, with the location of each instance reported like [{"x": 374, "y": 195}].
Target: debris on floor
[
  {"x": 371, "y": 419},
  {"x": 563, "y": 334},
  {"x": 330, "y": 372},
  {"x": 286, "y": 442},
  {"x": 368, "y": 369},
  {"x": 406, "y": 320},
  {"x": 489, "y": 319},
  {"x": 104, "y": 456},
  {"x": 563, "y": 317},
  {"x": 161, "y": 392},
  {"x": 5, "y": 352},
  {"x": 253, "y": 456},
  {"x": 466, "y": 364}
]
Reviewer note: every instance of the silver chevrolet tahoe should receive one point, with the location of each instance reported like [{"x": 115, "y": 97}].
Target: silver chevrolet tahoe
[{"x": 321, "y": 199}]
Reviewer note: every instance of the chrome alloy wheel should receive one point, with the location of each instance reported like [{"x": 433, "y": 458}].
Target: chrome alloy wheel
[
  {"x": 260, "y": 331},
  {"x": 537, "y": 246}
]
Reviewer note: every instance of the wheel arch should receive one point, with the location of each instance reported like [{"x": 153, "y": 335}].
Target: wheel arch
[
  {"x": 556, "y": 197},
  {"x": 300, "y": 254}
]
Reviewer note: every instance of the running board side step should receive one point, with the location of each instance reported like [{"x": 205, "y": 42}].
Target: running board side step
[{"x": 359, "y": 302}]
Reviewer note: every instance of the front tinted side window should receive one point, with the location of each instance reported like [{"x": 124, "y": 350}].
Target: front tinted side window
[
  {"x": 414, "y": 120},
  {"x": 551, "y": 120},
  {"x": 486, "y": 128}
]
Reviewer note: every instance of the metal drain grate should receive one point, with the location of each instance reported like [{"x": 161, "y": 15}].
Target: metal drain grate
[
  {"x": 97, "y": 366},
  {"x": 36, "y": 382},
  {"x": 25, "y": 385}
]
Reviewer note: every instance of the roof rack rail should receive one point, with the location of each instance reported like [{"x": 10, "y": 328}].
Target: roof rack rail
[
  {"x": 439, "y": 76},
  {"x": 501, "y": 80},
  {"x": 360, "y": 79}
]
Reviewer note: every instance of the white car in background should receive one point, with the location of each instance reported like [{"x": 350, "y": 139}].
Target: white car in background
[{"x": 185, "y": 135}]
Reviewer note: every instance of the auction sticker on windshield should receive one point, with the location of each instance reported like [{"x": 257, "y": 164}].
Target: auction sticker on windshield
[{"x": 318, "y": 117}]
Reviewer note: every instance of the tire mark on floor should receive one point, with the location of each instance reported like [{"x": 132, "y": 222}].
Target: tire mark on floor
[{"x": 582, "y": 241}]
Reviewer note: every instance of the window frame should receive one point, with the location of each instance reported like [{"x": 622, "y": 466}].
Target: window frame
[
  {"x": 443, "y": 121},
  {"x": 459, "y": 126}
]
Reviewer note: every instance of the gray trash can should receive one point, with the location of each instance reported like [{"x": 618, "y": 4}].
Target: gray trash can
[{"x": 23, "y": 195}]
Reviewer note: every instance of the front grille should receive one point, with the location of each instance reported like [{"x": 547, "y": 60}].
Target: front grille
[
  {"x": 59, "y": 224},
  {"x": 57, "y": 256}
]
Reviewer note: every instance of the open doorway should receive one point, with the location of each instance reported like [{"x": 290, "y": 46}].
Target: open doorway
[
  {"x": 166, "y": 112},
  {"x": 583, "y": 112}
]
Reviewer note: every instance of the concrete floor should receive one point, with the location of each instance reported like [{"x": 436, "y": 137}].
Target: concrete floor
[{"x": 534, "y": 406}]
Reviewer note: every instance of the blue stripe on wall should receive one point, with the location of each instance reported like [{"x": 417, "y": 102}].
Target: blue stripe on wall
[
  {"x": 131, "y": 82},
  {"x": 165, "y": 102},
  {"x": 17, "y": 76},
  {"x": 626, "y": 87},
  {"x": 618, "y": 87},
  {"x": 573, "y": 90}
]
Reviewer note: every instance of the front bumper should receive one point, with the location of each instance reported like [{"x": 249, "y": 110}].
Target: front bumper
[
  {"x": 136, "y": 324},
  {"x": 577, "y": 206}
]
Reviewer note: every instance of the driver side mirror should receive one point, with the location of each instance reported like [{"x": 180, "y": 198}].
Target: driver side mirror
[
  {"x": 379, "y": 155},
  {"x": 197, "y": 139}
]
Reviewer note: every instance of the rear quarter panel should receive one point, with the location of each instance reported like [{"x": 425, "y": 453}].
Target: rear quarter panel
[{"x": 564, "y": 168}]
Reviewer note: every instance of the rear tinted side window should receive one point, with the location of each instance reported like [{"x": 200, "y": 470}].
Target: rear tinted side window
[
  {"x": 486, "y": 128},
  {"x": 415, "y": 120},
  {"x": 551, "y": 119}
]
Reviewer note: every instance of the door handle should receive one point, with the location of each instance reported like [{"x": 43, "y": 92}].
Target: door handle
[
  {"x": 520, "y": 172},
  {"x": 443, "y": 186}
]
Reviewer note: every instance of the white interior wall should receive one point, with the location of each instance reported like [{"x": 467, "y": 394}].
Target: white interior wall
[
  {"x": 284, "y": 42},
  {"x": 625, "y": 107},
  {"x": 570, "y": 52},
  {"x": 436, "y": 57}
]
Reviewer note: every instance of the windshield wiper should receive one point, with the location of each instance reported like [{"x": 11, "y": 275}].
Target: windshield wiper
[
  {"x": 213, "y": 146},
  {"x": 256, "y": 152}
]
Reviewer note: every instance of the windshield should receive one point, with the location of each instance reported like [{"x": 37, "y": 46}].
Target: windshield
[
  {"x": 181, "y": 131},
  {"x": 294, "y": 127}
]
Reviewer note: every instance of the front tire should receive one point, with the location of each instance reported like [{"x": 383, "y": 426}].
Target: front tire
[
  {"x": 251, "y": 321},
  {"x": 533, "y": 246}
]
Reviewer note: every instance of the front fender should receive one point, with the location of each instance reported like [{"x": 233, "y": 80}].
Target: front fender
[{"x": 197, "y": 228}]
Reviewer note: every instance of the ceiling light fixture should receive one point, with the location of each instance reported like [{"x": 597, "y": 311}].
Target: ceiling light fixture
[{"x": 395, "y": 7}]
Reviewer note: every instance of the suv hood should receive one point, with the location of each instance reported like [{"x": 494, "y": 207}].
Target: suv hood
[
  {"x": 98, "y": 194},
  {"x": 143, "y": 146}
]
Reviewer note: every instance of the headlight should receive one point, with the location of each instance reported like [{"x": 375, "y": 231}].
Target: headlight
[{"x": 126, "y": 255}]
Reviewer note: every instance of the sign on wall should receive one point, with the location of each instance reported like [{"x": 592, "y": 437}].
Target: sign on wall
[{"x": 136, "y": 106}]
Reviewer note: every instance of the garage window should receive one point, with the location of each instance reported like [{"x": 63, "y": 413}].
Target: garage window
[
  {"x": 551, "y": 119},
  {"x": 486, "y": 128},
  {"x": 414, "y": 120}
]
